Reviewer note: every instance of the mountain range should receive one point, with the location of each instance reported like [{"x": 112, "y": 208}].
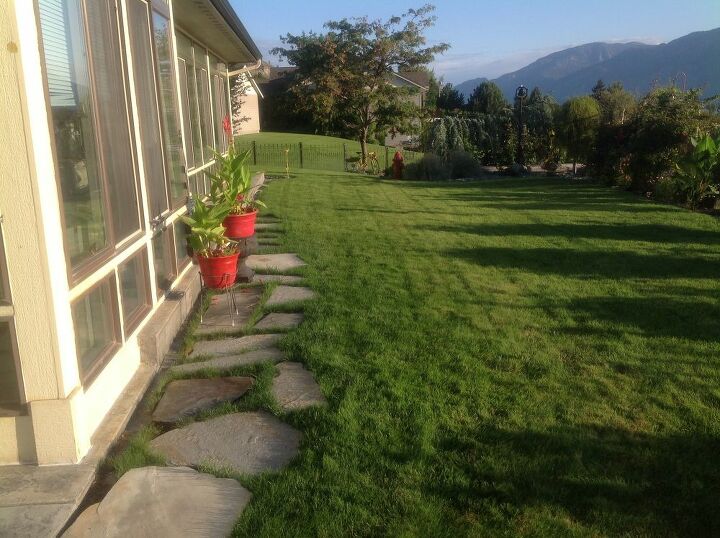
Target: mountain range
[{"x": 692, "y": 60}]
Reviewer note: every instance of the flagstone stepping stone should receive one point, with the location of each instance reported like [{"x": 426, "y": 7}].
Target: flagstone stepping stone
[
  {"x": 279, "y": 321},
  {"x": 231, "y": 361},
  {"x": 268, "y": 226},
  {"x": 289, "y": 294},
  {"x": 277, "y": 262},
  {"x": 249, "y": 443},
  {"x": 164, "y": 501},
  {"x": 296, "y": 388},
  {"x": 234, "y": 346},
  {"x": 283, "y": 279},
  {"x": 184, "y": 398},
  {"x": 217, "y": 318}
]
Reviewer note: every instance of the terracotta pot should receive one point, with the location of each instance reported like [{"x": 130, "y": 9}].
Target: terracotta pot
[
  {"x": 240, "y": 226},
  {"x": 219, "y": 272}
]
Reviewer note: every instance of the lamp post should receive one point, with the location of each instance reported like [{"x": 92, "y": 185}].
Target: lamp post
[{"x": 520, "y": 94}]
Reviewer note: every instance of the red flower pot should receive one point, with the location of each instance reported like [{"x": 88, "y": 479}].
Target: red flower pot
[
  {"x": 240, "y": 226},
  {"x": 219, "y": 272}
]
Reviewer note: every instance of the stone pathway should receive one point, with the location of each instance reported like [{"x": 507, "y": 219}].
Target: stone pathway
[
  {"x": 277, "y": 321},
  {"x": 295, "y": 387},
  {"x": 218, "y": 318},
  {"x": 231, "y": 361},
  {"x": 164, "y": 501},
  {"x": 274, "y": 262},
  {"x": 282, "y": 279},
  {"x": 179, "y": 501},
  {"x": 187, "y": 397},
  {"x": 233, "y": 346},
  {"x": 248, "y": 443},
  {"x": 289, "y": 294},
  {"x": 268, "y": 226}
]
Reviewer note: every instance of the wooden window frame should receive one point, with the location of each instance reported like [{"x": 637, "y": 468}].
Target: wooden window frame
[
  {"x": 111, "y": 348},
  {"x": 133, "y": 320},
  {"x": 80, "y": 271}
]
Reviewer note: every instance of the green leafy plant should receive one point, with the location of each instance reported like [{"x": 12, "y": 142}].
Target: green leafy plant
[
  {"x": 206, "y": 236},
  {"x": 696, "y": 176},
  {"x": 232, "y": 183}
]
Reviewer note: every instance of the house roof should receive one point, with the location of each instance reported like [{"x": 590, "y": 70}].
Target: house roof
[
  {"x": 421, "y": 79},
  {"x": 215, "y": 24}
]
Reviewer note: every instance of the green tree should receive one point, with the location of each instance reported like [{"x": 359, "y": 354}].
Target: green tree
[
  {"x": 599, "y": 90},
  {"x": 342, "y": 75},
  {"x": 579, "y": 121},
  {"x": 450, "y": 98},
  {"x": 488, "y": 98},
  {"x": 660, "y": 132}
]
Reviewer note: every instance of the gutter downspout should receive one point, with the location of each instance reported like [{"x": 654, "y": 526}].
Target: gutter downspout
[{"x": 245, "y": 69}]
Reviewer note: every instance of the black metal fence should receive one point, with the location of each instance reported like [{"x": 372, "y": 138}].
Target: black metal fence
[{"x": 331, "y": 157}]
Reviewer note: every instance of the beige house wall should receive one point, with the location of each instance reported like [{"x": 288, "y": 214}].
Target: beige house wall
[
  {"x": 62, "y": 414},
  {"x": 248, "y": 107}
]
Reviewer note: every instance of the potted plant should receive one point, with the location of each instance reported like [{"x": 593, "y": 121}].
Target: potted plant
[
  {"x": 232, "y": 185},
  {"x": 216, "y": 254}
]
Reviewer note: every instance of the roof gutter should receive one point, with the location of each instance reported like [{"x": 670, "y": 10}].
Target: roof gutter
[
  {"x": 228, "y": 13},
  {"x": 245, "y": 68}
]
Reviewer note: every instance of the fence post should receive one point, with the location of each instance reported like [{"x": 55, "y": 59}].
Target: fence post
[
  {"x": 254, "y": 152},
  {"x": 386, "y": 157},
  {"x": 301, "y": 155},
  {"x": 344, "y": 157}
]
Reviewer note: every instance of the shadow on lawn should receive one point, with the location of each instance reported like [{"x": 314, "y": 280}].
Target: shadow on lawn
[
  {"x": 656, "y": 233},
  {"x": 585, "y": 264},
  {"x": 620, "y": 481}
]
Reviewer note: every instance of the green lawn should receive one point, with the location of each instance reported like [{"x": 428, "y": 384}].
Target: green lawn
[
  {"x": 503, "y": 358},
  {"x": 319, "y": 152}
]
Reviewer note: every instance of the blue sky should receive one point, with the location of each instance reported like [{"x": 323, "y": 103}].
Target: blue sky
[{"x": 490, "y": 38}]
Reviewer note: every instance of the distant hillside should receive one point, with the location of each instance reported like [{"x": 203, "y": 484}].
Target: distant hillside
[
  {"x": 467, "y": 87},
  {"x": 575, "y": 71}
]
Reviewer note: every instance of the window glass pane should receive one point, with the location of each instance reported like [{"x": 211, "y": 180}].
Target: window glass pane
[
  {"x": 150, "y": 133},
  {"x": 113, "y": 120},
  {"x": 195, "y": 118},
  {"x": 185, "y": 108},
  {"x": 94, "y": 328},
  {"x": 181, "y": 247},
  {"x": 168, "y": 105},
  {"x": 9, "y": 390},
  {"x": 221, "y": 120},
  {"x": 203, "y": 91},
  {"x": 163, "y": 254},
  {"x": 134, "y": 291},
  {"x": 66, "y": 65}
]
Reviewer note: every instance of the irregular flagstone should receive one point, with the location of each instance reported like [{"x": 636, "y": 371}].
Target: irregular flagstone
[
  {"x": 280, "y": 321},
  {"x": 186, "y": 397},
  {"x": 164, "y": 501},
  {"x": 249, "y": 443},
  {"x": 231, "y": 361},
  {"x": 217, "y": 318},
  {"x": 289, "y": 294},
  {"x": 283, "y": 279},
  {"x": 296, "y": 388},
  {"x": 276, "y": 262},
  {"x": 274, "y": 226},
  {"x": 233, "y": 346}
]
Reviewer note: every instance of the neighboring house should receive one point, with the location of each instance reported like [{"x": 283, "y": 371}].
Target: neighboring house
[
  {"x": 246, "y": 96},
  {"x": 109, "y": 110},
  {"x": 419, "y": 83}
]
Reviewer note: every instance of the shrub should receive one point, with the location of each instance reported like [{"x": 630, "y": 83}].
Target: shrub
[
  {"x": 431, "y": 167},
  {"x": 463, "y": 165},
  {"x": 696, "y": 176},
  {"x": 660, "y": 133}
]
